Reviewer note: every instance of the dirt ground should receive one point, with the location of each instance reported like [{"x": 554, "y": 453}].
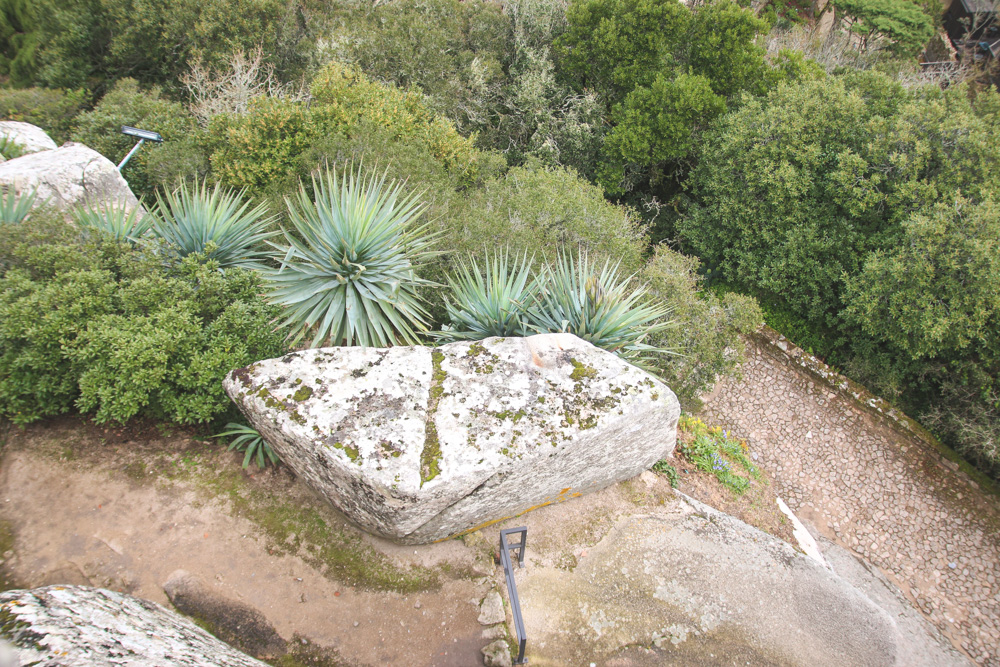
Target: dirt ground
[{"x": 125, "y": 508}]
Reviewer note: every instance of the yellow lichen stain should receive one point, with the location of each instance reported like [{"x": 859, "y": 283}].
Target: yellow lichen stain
[{"x": 546, "y": 503}]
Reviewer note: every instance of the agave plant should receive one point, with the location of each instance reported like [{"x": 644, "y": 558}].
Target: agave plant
[
  {"x": 191, "y": 218},
  {"x": 348, "y": 273},
  {"x": 250, "y": 441},
  {"x": 114, "y": 220},
  {"x": 599, "y": 306},
  {"x": 15, "y": 208},
  {"x": 492, "y": 300}
]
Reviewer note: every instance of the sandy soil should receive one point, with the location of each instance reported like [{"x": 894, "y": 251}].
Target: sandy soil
[{"x": 125, "y": 508}]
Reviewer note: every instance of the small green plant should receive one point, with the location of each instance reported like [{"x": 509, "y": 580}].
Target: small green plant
[
  {"x": 249, "y": 440},
  {"x": 599, "y": 306},
  {"x": 349, "y": 271},
  {"x": 9, "y": 148},
  {"x": 490, "y": 300},
  {"x": 718, "y": 452},
  {"x": 114, "y": 220},
  {"x": 190, "y": 218},
  {"x": 667, "y": 470},
  {"x": 14, "y": 208}
]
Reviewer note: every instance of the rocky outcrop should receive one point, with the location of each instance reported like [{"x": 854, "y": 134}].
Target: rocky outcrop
[
  {"x": 76, "y": 626},
  {"x": 30, "y": 138},
  {"x": 419, "y": 444},
  {"x": 234, "y": 622},
  {"x": 68, "y": 176},
  {"x": 688, "y": 585}
]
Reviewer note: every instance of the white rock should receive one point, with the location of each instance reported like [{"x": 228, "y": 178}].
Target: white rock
[
  {"x": 497, "y": 654},
  {"x": 30, "y": 138},
  {"x": 68, "y": 176},
  {"x": 509, "y": 425},
  {"x": 77, "y": 626},
  {"x": 491, "y": 610}
]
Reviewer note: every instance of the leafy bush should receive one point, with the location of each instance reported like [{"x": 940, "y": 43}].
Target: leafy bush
[
  {"x": 10, "y": 149},
  {"x": 492, "y": 300},
  {"x": 598, "y": 305},
  {"x": 93, "y": 43},
  {"x": 707, "y": 336},
  {"x": 50, "y": 109},
  {"x": 128, "y": 104},
  {"x": 262, "y": 147},
  {"x": 349, "y": 271},
  {"x": 216, "y": 225},
  {"x": 107, "y": 328}
]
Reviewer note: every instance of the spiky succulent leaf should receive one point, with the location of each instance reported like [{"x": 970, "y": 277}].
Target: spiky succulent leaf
[
  {"x": 599, "y": 306},
  {"x": 113, "y": 220},
  {"x": 490, "y": 300},
  {"x": 250, "y": 441},
  {"x": 14, "y": 208},
  {"x": 348, "y": 273},
  {"x": 189, "y": 218}
]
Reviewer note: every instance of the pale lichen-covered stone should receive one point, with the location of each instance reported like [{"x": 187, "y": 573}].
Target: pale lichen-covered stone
[
  {"x": 419, "y": 444},
  {"x": 70, "y": 175},
  {"x": 77, "y": 626},
  {"x": 30, "y": 138}
]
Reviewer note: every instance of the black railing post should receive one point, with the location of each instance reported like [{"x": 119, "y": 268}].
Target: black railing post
[{"x": 508, "y": 571}]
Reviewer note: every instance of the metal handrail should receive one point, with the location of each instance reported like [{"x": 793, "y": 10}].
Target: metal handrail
[{"x": 508, "y": 571}]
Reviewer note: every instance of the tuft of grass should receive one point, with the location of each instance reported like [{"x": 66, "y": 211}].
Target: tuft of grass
[{"x": 716, "y": 451}]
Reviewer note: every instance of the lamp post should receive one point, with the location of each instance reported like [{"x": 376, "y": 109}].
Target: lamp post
[{"x": 143, "y": 136}]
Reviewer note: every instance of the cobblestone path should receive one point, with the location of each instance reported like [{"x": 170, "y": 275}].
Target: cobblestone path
[{"x": 880, "y": 493}]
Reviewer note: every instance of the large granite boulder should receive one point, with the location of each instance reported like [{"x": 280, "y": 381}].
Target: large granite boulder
[
  {"x": 77, "y": 626},
  {"x": 418, "y": 444},
  {"x": 686, "y": 585},
  {"x": 30, "y": 138},
  {"x": 67, "y": 176}
]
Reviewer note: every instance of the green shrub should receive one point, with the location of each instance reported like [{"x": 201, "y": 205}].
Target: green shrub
[
  {"x": 349, "y": 272},
  {"x": 707, "y": 336},
  {"x": 128, "y": 104},
  {"x": 108, "y": 329},
  {"x": 50, "y": 109}
]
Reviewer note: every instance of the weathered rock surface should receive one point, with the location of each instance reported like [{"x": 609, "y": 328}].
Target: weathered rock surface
[
  {"x": 76, "y": 626},
  {"x": 698, "y": 587},
  {"x": 234, "y": 622},
  {"x": 30, "y": 138},
  {"x": 419, "y": 444},
  {"x": 68, "y": 176}
]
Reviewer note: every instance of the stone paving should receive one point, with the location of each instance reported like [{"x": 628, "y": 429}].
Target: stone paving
[{"x": 884, "y": 495}]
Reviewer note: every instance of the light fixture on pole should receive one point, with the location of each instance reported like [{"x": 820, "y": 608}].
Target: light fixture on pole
[{"x": 143, "y": 136}]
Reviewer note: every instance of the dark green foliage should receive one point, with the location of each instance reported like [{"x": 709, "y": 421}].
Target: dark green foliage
[
  {"x": 93, "y": 43},
  {"x": 108, "y": 329},
  {"x": 868, "y": 211},
  {"x": 19, "y": 36},
  {"x": 663, "y": 71},
  {"x": 52, "y": 110},
  {"x": 904, "y": 24},
  {"x": 128, "y": 104}
]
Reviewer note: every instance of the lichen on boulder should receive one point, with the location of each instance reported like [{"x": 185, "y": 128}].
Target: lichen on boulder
[
  {"x": 418, "y": 444},
  {"x": 78, "y": 626}
]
